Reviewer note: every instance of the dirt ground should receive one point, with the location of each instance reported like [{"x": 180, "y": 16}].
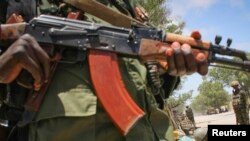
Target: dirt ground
[{"x": 227, "y": 118}]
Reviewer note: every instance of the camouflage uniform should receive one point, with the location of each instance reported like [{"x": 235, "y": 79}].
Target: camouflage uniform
[
  {"x": 240, "y": 106},
  {"x": 72, "y": 112}
]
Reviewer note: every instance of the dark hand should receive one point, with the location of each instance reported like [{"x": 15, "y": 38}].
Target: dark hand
[
  {"x": 182, "y": 61},
  {"x": 26, "y": 54}
]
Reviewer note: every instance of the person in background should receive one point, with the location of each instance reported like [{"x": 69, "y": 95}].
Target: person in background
[
  {"x": 190, "y": 114},
  {"x": 240, "y": 104}
]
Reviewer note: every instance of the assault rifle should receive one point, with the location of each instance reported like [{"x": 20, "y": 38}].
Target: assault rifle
[{"x": 102, "y": 44}]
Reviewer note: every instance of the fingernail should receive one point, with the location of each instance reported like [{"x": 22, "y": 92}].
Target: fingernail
[
  {"x": 196, "y": 35},
  {"x": 200, "y": 57},
  {"x": 186, "y": 49},
  {"x": 176, "y": 47},
  {"x": 169, "y": 52},
  {"x": 37, "y": 86}
]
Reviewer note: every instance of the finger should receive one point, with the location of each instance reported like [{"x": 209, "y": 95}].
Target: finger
[
  {"x": 32, "y": 67},
  {"x": 202, "y": 64},
  {"x": 170, "y": 61},
  {"x": 27, "y": 50},
  {"x": 179, "y": 59},
  {"x": 10, "y": 73},
  {"x": 190, "y": 61},
  {"x": 144, "y": 13},
  {"x": 40, "y": 54},
  {"x": 196, "y": 35},
  {"x": 37, "y": 83}
]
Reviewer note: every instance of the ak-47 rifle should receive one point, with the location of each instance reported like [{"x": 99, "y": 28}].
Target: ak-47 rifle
[{"x": 100, "y": 41}]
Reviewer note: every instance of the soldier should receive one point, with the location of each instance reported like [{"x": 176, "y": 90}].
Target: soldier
[
  {"x": 71, "y": 110},
  {"x": 190, "y": 114},
  {"x": 239, "y": 103}
]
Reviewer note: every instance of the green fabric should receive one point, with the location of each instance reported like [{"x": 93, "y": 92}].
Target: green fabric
[
  {"x": 70, "y": 96},
  {"x": 72, "y": 112},
  {"x": 70, "y": 93}
]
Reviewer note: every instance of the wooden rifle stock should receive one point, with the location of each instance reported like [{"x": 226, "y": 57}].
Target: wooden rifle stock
[{"x": 103, "y": 12}]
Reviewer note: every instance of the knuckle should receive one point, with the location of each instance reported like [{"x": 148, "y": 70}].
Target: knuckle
[
  {"x": 21, "y": 43},
  {"x": 175, "y": 45},
  {"x": 28, "y": 38},
  {"x": 20, "y": 52},
  {"x": 186, "y": 46}
]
